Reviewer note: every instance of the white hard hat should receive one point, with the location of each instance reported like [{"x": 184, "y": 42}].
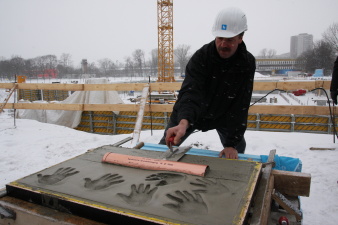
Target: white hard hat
[{"x": 229, "y": 22}]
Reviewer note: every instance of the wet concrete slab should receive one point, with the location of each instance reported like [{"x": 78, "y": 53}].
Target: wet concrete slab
[{"x": 221, "y": 197}]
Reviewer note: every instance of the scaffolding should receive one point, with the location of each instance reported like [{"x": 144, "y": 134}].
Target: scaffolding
[{"x": 165, "y": 41}]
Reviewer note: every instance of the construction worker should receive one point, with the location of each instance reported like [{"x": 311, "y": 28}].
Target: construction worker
[
  {"x": 217, "y": 88},
  {"x": 334, "y": 82}
]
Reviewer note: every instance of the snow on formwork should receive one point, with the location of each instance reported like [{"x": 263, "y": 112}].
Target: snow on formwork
[
  {"x": 72, "y": 118},
  {"x": 259, "y": 75}
]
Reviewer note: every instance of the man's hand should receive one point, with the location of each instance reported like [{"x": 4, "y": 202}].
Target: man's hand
[
  {"x": 178, "y": 131},
  {"x": 334, "y": 96},
  {"x": 229, "y": 153}
]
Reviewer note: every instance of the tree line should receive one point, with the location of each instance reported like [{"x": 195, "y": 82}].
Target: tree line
[
  {"x": 135, "y": 65},
  {"x": 321, "y": 56},
  {"x": 324, "y": 52}
]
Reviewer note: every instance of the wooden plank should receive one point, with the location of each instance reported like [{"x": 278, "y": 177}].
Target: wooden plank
[
  {"x": 167, "y": 86},
  {"x": 40, "y": 86},
  {"x": 290, "y": 85},
  {"x": 132, "y": 86},
  {"x": 159, "y": 108},
  {"x": 89, "y": 107},
  {"x": 265, "y": 214},
  {"x": 314, "y": 148},
  {"x": 37, "y": 214},
  {"x": 262, "y": 200},
  {"x": 111, "y": 107},
  {"x": 287, "y": 205},
  {"x": 161, "y": 86},
  {"x": 45, "y": 106},
  {"x": 260, "y": 109},
  {"x": 115, "y": 87},
  {"x": 7, "y": 98},
  {"x": 292, "y": 183},
  {"x": 128, "y": 107},
  {"x": 290, "y": 109}
]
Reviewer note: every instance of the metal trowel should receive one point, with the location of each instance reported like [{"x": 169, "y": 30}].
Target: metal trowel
[{"x": 174, "y": 153}]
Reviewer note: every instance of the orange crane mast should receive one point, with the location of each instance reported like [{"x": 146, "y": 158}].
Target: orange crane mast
[{"x": 165, "y": 41}]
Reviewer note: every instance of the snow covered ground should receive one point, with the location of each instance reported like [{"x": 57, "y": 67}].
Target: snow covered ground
[{"x": 28, "y": 146}]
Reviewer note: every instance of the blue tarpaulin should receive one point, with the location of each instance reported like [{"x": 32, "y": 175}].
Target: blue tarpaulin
[
  {"x": 318, "y": 73},
  {"x": 282, "y": 162},
  {"x": 285, "y": 163}
]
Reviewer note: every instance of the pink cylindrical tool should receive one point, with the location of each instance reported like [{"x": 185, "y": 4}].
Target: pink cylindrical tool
[{"x": 154, "y": 164}]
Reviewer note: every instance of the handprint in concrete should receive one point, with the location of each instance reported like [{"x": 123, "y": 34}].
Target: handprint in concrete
[
  {"x": 210, "y": 186},
  {"x": 57, "y": 176},
  {"x": 139, "y": 195},
  {"x": 187, "y": 203},
  {"x": 165, "y": 178},
  {"x": 103, "y": 182}
]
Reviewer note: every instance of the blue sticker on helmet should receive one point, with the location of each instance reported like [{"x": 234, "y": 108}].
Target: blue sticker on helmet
[{"x": 224, "y": 26}]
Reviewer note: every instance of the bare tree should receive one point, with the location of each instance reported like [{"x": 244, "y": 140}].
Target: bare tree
[
  {"x": 263, "y": 53},
  {"x": 5, "y": 69},
  {"x": 138, "y": 56},
  {"x": 153, "y": 61},
  {"x": 267, "y": 53},
  {"x": 65, "y": 64},
  {"x": 331, "y": 36},
  {"x": 29, "y": 67},
  {"x": 320, "y": 57},
  {"x": 66, "y": 60},
  {"x": 106, "y": 66},
  {"x": 182, "y": 54},
  {"x": 46, "y": 64},
  {"x": 92, "y": 68},
  {"x": 271, "y": 53},
  {"x": 50, "y": 61},
  {"x": 129, "y": 67},
  {"x": 17, "y": 65}
]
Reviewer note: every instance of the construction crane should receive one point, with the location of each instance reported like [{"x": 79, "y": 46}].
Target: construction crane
[{"x": 165, "y": 41}]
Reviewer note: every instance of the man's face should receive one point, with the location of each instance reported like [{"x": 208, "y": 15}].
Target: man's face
[{"x": 226, "y": 47}]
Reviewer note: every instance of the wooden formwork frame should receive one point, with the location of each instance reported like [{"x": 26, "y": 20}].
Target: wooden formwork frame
[
  {"x": 274, "y": 185},
  {"x": 258, "y": 86}
]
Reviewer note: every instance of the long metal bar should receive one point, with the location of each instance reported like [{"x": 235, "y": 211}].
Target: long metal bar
[
  {"x": 122, "y": 141},
  {"x": 139, "y": 121}
]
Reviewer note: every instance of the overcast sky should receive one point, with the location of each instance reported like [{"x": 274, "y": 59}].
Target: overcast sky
[{"x": 97, "y": 29}]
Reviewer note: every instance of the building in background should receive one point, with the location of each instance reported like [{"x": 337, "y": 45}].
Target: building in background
[
  {"x": 300, "y": 43},
  {"x": 277, "y": 66}
]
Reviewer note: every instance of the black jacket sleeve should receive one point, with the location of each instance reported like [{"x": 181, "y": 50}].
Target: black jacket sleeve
[
  {"x": 191, "y": 95},
  {"x": 334, "y": 81},
  {"x": 238, "y": 113}
]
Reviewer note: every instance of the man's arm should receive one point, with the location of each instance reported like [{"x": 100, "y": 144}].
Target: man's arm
[
  {"x": 334, "y": 82},
  {"x": 177, "y": 131},
  {"x": 191, "y": 96},
  {"x": 238, "y": 115}
]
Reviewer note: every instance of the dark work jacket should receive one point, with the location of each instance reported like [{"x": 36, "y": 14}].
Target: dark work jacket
[
  {"x": 334, "y": 81},
  {"x": 216, "y": 92}
]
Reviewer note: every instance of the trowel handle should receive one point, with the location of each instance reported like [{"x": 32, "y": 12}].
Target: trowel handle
[{"x": 171, "y": 140}]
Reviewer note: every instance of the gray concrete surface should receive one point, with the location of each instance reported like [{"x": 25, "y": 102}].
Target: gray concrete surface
[{"x": 220, "y": 197}]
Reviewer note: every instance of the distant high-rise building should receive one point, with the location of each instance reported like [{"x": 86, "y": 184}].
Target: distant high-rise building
[
  {"x": 300, "y": 43},
  {"x": 84, "y": 64}
]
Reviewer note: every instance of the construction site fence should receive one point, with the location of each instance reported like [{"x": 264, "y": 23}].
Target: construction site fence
[
  {"x": 124, "y": 122},
  {"x": 99, "y": 118}
]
